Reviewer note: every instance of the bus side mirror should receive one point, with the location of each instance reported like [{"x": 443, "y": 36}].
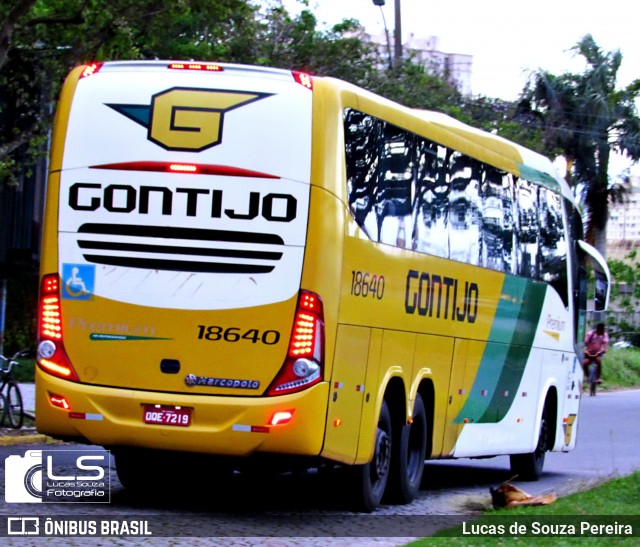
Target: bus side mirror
[{"x": 602, "y": 276}]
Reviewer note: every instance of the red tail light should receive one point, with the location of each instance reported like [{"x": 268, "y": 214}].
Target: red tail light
[
  {"x": 50, "y": 316},
  {"x": 304, "y": 79},
  {"x": 189, "y": 168},
  {"x": 90, "y": 70},
  {"x": 304, "y": 364},
  {"x": 205, "y": 67},
  {"x": 52, "y": 357}
]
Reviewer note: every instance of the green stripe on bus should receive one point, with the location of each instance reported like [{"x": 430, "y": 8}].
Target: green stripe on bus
[
  {"x": 506, "y": 352},
  {"x": 539, "y": 177}
]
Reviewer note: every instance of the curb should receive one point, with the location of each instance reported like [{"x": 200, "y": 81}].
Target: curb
[
  {"x": 32, "y": 438},
  {"x": 36, "y": 438}
]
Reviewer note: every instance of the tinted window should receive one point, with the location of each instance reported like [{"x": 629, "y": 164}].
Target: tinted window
[{"x": 409, "y": 192}]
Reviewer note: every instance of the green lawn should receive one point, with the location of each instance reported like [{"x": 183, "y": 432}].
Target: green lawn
[
  {"x": 621, "y": 368},
  {"x": 25, "y": 371},
  {"x": 576, "y": 518}
]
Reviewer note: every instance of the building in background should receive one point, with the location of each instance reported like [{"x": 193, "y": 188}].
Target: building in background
[
  {"x": 456, "y": 68},
  {"x": 623, "y": 225}
]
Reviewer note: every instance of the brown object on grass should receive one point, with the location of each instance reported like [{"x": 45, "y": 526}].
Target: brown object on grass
[{"x": 507, "y": 495}]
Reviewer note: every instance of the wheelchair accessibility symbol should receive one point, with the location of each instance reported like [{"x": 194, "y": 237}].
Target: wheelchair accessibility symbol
[{"x": 78, "y": 281}]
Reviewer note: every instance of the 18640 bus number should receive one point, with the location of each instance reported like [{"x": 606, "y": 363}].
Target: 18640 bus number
[
  {"x": 215, "y": 333},
  {"x": 367, "y": 285}
]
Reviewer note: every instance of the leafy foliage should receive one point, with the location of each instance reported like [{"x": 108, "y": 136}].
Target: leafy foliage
[
  {"x": 587, "y": 118},
  {"x": 41, "y": 40}
]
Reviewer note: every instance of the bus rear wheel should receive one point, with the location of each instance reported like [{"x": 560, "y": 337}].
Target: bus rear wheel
[
  {"x": 528, "y": 467},
  {"x": 137, "y": 470},
  {"x": 407, "y": 464},
  {"x": 369, "y": 481}
]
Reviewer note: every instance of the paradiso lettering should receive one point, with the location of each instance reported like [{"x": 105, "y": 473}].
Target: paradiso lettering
[
  {"x": 441, "y": 297},
  {"x": 123, "y": 198}
]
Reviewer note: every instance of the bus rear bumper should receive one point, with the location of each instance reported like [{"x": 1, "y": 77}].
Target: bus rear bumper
[{"x": 221, "y": 425}]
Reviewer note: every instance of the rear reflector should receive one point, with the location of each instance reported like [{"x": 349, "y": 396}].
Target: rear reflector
[
  {"x": 281, "y": 417},
  {"x": 59, "y": 401}
]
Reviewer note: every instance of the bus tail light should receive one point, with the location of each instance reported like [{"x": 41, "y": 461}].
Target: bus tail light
[
  {"x": 203, "y": 67},
  {"x": 302, "y": 78},
  {"x": 304, "y": 365},
  {"x": 281, "y": 417},
  {"x": 90, "y": 69},
  {"x": 59, "y": 401},
  {"x": 52, "y": 357}
]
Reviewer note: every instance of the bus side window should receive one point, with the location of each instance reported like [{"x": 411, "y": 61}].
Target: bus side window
[
  {"x": 362, "y": 135},
  {"x": 431, "y": 206},
  {"x": 494, "y": 218},
  {"x": 553, "y": 248},
  {"x": 395, "y": 187},
  {"x": 527, "y": 229},
  {"x": 465, "y": 225}
]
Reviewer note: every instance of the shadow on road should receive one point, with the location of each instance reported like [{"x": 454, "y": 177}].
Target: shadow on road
[{"x": 302, "y": 491}]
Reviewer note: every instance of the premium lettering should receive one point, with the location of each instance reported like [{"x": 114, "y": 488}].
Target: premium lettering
[
  {"x": 441, "y": 297},
  {"x": 123, "y": 198}
]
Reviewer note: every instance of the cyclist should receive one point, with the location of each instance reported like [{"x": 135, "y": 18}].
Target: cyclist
[{"x": 596, "y": 344}]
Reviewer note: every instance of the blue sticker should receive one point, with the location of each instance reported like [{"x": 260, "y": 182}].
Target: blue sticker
[{"x": 78, "y": 281}]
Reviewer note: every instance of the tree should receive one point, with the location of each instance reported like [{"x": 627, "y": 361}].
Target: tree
[
  {"x": 587, "y": 118},
  {"x": 41, "y": 40}
]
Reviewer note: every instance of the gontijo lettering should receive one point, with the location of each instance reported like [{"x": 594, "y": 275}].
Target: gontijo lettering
[
  {"x": 123, "y": 198},
  {"x": 442, "y": 296}
]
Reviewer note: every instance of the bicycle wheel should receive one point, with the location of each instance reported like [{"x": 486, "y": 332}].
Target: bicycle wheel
[
  {"x": 3, "y": 408},
  {"x": 593, "y": 378},
  {"x": 14, "y": 407}
]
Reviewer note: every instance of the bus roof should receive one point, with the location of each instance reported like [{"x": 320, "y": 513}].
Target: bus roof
[
  {"x": 474, "y": 142},
  {"x": 205, "y": 67},
  {"x": 529, "y": 164},
  {"x": 533, "y": 166}
]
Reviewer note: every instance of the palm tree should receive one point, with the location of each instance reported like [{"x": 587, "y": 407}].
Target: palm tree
[{"x": 586, "y": 119}]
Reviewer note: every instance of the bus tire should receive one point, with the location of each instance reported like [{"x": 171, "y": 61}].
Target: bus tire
[
  {"x": 528, "y": 467},
  {"x": 135, "y": 470},
  {"x": 369, "y": 481},
  {"x": 407, "y": 463}
]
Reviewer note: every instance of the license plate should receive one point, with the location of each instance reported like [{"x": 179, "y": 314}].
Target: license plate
[{"x": 167, "y": 415}]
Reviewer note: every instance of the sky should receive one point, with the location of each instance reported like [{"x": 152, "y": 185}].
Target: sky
[{"x": 508, "y": 39}]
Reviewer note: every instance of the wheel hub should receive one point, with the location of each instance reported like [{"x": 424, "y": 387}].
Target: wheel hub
[{"x": 382, "y": 454}]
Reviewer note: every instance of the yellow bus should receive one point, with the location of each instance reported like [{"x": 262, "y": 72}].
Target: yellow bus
[{"x": 256, "y": 265}]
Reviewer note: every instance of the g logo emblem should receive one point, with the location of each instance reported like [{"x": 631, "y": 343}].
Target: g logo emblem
[{"x": 187, "y": 119}]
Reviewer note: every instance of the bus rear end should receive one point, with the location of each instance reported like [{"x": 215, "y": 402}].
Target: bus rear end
[{"x": 171, "y": 311}]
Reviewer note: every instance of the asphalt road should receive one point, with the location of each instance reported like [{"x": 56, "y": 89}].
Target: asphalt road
[{"x": 304, "y": 509}]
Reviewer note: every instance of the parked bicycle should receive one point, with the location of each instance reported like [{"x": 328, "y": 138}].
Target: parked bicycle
[{"x": 12, "y": 411}]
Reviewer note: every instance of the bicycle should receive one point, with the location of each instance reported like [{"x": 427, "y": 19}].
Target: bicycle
[
  {"x": 591, "y": 368},
  {"x": 10, "y": 395}
]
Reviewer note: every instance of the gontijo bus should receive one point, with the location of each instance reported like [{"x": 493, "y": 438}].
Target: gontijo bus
[{"x": 262, "y": 265}]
